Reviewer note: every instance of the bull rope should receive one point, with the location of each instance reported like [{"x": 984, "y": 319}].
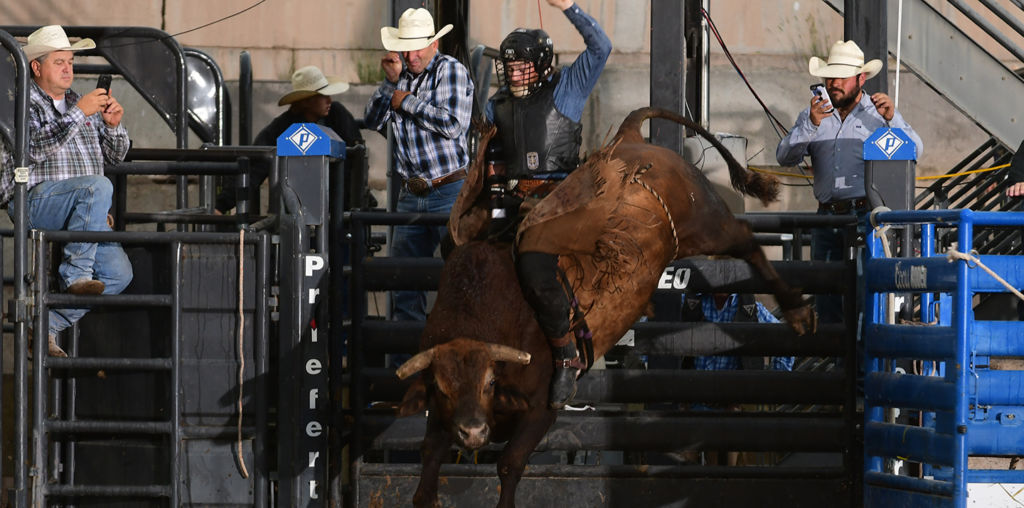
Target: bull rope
[{"x": 664, "y": 206}]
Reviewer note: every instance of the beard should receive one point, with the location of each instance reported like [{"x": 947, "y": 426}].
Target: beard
[{"x": 845, "y": 101}]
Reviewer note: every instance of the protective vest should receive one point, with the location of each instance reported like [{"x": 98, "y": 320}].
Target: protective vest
[{"x": 535, "y": 137}]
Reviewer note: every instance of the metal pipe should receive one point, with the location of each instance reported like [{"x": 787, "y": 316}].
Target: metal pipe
[
  {"x": 39, "y": 479},
  {"x": 173, "y": 168},
  {"x": 261, "y": 323},
  {"x": 177, "y": 279},
  {"x": 990, "y": 29},
  {"x": 108, "y": 427},
  {"x": 244, "y": 98},
  {"x": 208, "y": 154},
  {"x": 20, "y": 494}
]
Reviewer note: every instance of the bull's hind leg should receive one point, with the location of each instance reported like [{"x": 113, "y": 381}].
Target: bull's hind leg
[
  {"x": 512, "y": 462},
  {"x": 797, "y": 313}
]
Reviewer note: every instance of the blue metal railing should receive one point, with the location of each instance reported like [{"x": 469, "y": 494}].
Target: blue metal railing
[{"x": 966, "y": 407}]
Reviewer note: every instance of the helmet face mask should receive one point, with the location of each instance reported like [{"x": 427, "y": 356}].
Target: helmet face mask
[{"x": 525, "y": 60}]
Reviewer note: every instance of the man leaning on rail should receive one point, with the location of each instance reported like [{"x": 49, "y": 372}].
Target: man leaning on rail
[{"x": 71, "y": 137}]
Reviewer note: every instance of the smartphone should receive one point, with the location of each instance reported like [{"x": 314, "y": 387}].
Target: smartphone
[
  {"x": 104, "y": 82},
  {"x": 819, "y": 89}
]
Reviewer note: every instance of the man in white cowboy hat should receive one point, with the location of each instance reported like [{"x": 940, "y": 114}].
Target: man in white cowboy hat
[
  {"x": 429, "y": 103},
  {"x": 309, "y": 101},
  {"x": 833, "y": 136},
  {"x": 71, "y": 137}
]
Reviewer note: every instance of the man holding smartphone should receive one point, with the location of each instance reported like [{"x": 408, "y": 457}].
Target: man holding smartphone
[
  {"x": 71, "y": 137},
  {"x": 832, "y": 131}
]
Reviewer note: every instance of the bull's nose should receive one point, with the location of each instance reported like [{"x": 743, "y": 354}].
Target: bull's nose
[{"x": 473, "y": 434}]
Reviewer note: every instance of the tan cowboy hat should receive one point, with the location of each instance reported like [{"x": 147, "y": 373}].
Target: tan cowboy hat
[
  {"x": 415, "y": 31},
  {"x": 845, "y": 59},
  {"x": 52, "y": 38},
  {"x": 309, "y": 81}
]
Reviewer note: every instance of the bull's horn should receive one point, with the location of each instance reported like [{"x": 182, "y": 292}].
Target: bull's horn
[
  {"x": 415, "y": 364},
  {"x": 501, "y": 353}
]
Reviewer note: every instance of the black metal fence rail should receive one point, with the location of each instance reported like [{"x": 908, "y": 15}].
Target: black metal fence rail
[
  {"x": 621, "y": 424},
  {"x": 52, "y": 468}
]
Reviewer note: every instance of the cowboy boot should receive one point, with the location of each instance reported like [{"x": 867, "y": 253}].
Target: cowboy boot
[
  {"x": 54, "y": 349},
  {"x": 567, "y": 368}
]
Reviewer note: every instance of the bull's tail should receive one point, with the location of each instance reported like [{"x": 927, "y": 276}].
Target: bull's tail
[{"x": 763, "y": 187}]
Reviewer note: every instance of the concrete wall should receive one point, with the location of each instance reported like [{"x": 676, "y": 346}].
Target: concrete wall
[{"x": 771, "y": 40}]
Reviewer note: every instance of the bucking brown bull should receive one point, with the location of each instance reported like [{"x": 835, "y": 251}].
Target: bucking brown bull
[{"x": 615, "y": 222}]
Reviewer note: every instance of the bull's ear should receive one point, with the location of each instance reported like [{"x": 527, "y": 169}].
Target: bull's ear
[
  {"x": 415, "y": 399},
  {"x": 509, "y": 400}
]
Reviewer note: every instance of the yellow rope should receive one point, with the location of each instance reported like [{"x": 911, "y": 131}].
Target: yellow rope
[
  {"x": 936, "y": 177},
  {"x": 779, "y": 173},
  {"x": 971, "y": 172}
]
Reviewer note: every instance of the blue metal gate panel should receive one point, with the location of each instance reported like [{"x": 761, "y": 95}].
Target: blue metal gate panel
[{"x": 967, "y": 409}]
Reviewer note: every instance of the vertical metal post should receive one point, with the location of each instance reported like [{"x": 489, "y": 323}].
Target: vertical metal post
[
  {"x": 962, "y": 317},
  {"x": 20, "y": 494},
  {"x": 698, "y": 61},
  {"x": 357, "y": 299},
  {"x": 668, "y": 81},
  {"x": 175, "y": 437},
  {"x": 262, "y": 358},
  {"x": 866, "y": 23},
  {"x": 244, "y": 98},
  {"x": 39, "y": 371}
]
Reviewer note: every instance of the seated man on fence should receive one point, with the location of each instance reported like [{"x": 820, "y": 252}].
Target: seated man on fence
[
  {"x": 309, "y": 101},
  {"x": 71, "y": 137}
]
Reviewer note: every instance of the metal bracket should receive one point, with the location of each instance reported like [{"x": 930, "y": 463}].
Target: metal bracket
[{"x": 17, "y": 310}]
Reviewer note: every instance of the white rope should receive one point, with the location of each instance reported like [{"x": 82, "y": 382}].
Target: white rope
[
  {"x": 954, "y": 255},
  {"x": 899, "y": 40},
  {"x": 241, "y": 343}
]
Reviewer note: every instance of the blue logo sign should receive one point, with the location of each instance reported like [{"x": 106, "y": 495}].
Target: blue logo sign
[
  {"x": 889, "y": 143},
  {"x": 310, "y": 139}
]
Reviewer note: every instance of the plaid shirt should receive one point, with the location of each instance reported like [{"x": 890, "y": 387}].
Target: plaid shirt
[
  {"x": 432, "y": 126},
  {"x": 72, "y": 144},
  {"x": 725, "y": 315},
  {"x": 6, "y": 172}
]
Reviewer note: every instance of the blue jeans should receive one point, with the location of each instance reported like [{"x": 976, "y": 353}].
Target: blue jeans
[
  {"x": 419, "y": 241},
  {"x": 79, "y": 204}
]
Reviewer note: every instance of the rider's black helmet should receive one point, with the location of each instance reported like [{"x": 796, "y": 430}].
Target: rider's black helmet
[{"x": 529, "y": 45}]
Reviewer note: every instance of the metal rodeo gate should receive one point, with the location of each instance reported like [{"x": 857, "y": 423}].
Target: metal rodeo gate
[
  {"x": 967, "y": 407},
  {"x": 625, "y": 449}
]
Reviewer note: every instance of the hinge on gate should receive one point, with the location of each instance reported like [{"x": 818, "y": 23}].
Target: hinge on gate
[
  {"x": 17, "y": 310},
  {"x": 272, "y": 303}
]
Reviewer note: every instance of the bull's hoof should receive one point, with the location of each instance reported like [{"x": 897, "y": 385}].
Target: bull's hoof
[{"x": 563, "y": 387}]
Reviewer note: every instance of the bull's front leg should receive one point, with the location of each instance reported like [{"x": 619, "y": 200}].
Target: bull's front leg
[
  {"x": 530, "y": 431},
  {"x": 436, "y": 443}
]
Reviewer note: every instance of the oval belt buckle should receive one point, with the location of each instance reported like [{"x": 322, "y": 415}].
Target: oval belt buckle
[{"x": 418, "y": 186}]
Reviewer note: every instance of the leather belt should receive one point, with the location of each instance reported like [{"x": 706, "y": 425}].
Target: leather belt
[
  {"x": 421, "y": 186},
  {"x": 845, "y": 206}
]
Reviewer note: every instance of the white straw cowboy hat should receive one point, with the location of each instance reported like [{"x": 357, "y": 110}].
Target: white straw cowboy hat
[
  {"x": 52, "y": 38},
  {"x": 415, "y": 31},
  {"x": 309, "y": 81},
  {"x": 845, "y": 59}
]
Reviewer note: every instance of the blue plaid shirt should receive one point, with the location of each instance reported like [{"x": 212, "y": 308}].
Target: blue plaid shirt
[
  {"x": 63, "y": 146},
  {"x": 432, "y": 126},
  {"x": 6, "y": 172},
  {"x": 725, "y": 315}
]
